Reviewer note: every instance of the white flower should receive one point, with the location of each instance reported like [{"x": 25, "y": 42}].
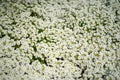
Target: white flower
[{"x": 59, "y": 40}]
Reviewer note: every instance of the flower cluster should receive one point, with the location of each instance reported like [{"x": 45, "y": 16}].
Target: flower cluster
[{"x": 59, "y": 40}]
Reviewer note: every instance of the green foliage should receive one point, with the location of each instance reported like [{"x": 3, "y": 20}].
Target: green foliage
[
  {"x": 76, "y": 57},
  {"x": 42, "y": 61}
]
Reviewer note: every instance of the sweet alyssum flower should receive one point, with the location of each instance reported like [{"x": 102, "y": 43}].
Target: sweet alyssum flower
[{"x": 59, "y": 40}]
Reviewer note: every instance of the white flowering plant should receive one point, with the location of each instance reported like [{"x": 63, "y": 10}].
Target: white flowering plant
[{"x": 59, "y": 39}]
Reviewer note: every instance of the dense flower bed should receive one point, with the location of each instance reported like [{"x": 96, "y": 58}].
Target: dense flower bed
[{"x": 59, "y": 40}]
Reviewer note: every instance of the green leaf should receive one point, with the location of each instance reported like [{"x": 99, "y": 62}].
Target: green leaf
[
  {"x": 97, "y": 55},
  {"x": 34, "y": 48},
  {"x": 90, "y": 51},
  {"x": 16, "y": 46},
  {"x": 40, "y": 30},
  {"x": 76, "y": 57}
]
